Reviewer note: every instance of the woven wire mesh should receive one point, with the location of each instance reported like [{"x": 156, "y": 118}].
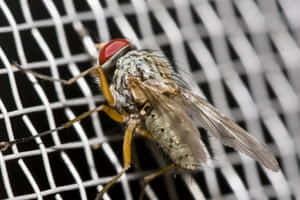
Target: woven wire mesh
[{"x": 243, "y": 55}]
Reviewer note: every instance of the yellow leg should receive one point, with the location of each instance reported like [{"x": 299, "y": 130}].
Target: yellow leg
[
  {"x": 144, "y": 133},
  {"x": 104, "y": 84},
  {"x": 105, "y": 87},
  {"x": 113, "y": 114},
  {"x": 149, "y": 178},
  {"x": 109, "y": 111},
  {"x": 126, "y": 157},
  {"x": 99, "y": 46}
]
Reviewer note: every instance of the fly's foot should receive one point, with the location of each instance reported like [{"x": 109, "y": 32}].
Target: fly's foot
[{"x": 4, "y": 146}]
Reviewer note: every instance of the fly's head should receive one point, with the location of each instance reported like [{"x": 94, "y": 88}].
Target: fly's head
[
  {"x": 126, "y": 61},
  {"x": 112, "y": 51},
  {"x": 109, "y": 55}
]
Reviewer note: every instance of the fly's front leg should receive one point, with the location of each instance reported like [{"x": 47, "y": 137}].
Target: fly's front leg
[
  {"x": 49, "y": 78},
  {"x": 105, "y": 87},
  {"x": 90, "y": 70},
  {"x": 132, "y": 124}
]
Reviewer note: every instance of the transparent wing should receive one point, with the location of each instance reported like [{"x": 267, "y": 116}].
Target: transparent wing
[
  {"x": 226, "y": 130},
  {"x": 175, "y": 115}
]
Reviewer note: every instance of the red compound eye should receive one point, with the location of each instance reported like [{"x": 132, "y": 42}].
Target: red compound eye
[{"x": 111, "y": 49}]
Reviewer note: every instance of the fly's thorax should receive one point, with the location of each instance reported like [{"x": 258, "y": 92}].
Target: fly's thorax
[
  {"x": 143, "y": 65},
  {"x": 179, "y": 152}
]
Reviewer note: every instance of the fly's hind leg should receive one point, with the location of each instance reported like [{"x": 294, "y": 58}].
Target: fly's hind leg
[
  {"x": 132, "y": 124},
  {"x": 150, "y": 177}
]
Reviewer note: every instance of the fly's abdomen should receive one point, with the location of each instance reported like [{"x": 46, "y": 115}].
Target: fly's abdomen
[{"x": 179, "y": 152}]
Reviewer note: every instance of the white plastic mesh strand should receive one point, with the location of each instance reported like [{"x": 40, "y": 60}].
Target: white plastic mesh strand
[{"x": 243, "y": 55}]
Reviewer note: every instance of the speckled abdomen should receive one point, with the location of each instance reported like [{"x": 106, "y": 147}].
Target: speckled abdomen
[{"x": 179, "y": 152}]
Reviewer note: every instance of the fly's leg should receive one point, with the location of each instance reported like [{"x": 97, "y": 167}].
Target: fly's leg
[
  {"x": 104, "y": 84},
  {"x": 150, "y": 177},
  {"x": 144, "y": 133},
  {"x": 103, "y": 81},
  {"x": 126, "y": 157},
  {"x": 99, "y": 46},
  {"x": 119, "y": 117},
  {"x": 49, "y": 78},
  {"x": 112, "y": 113},
  {"x": 105, "y": 87},
  {"x": 109, "y": 111},
  {"x": 65, "y": 82}
]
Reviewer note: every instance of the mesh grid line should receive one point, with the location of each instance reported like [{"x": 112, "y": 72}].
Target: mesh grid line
[{"x": 243, "y": 56}]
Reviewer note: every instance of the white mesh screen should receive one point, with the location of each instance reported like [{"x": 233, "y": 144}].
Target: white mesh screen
[{"x": 244, "y": 57}]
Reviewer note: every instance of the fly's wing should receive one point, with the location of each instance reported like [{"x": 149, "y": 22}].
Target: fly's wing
[
  {"x": 225, "y": 129},
  {"x": 174, "y": 114}
]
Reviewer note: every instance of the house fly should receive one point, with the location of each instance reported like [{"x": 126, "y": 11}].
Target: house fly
[{"x": 151, "y": 100}]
